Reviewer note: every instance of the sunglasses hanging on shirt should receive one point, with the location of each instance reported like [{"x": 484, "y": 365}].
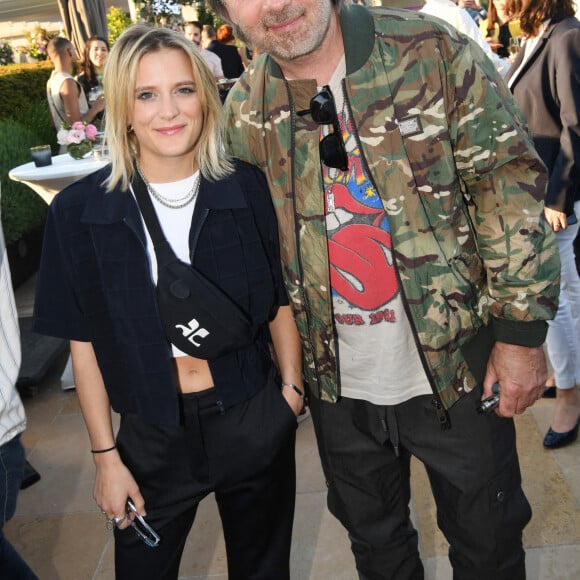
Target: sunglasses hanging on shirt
[{"x": 331, "y": 146}]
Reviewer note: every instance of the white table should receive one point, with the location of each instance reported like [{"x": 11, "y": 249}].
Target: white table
[
  {"x": 47, "y": 182},
  {"x": 50, "y": 180}
]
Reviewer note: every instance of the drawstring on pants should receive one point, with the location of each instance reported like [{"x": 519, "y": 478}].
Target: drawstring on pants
[{"x": 388, "y": 420}]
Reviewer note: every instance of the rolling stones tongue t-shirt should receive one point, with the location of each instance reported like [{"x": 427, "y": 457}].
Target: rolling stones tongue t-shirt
[{"x": 377, "y": 354}]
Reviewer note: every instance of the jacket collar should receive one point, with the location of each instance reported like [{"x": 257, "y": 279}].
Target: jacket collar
[
  {"x": 532, "y": 57},
  {"x": 358, "y": 33}
]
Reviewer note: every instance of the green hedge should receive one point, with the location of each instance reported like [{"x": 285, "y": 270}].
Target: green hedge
[
  {"x": 24, "y": 122},
  {"x": 22, "y": 86},
  {"x": 22, "y": 209}
]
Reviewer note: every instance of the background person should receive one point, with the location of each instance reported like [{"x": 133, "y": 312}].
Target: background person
[
  {"x": 545, "y": 83},
  {"x": 189, "y": 426},
  {"x": 473, "y": 8},
  {"x": 192, "y": 31},
  {"x": 93, "y": 64},
  {"x": 92, "y": 67},
  {"x": 409, "y": 199},
  {"x": 224, "y": 46},
  {"x": 460, "y": 19},
  {"x": 498, "y": 28},
  {"x": 12, "y": 421},
  {"x": 66, "y": 100},
  {"x": 208, "y": 36}
]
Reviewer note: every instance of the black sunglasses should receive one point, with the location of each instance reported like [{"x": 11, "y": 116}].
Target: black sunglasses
[{"x": 332, "y": 149}]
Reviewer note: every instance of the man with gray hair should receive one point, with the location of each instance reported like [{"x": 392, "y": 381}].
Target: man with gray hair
[{"x": 419, "y": 267}]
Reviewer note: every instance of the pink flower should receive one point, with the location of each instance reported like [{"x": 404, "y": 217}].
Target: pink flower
[
  {"x": 91, "y": 131},
  {"x": 62, "y": 137},
  {"x": 76, "y": 135}
]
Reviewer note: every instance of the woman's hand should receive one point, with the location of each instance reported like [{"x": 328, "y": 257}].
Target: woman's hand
[
  {"x": 288, "y": 355},
  {"x": 294, "y": 400},
  {"x": 114, "y": 483},
  {"x": 494, "y": 45},
  {"x": 556, "y": 219},
  {"x": 97, "y": 105}
]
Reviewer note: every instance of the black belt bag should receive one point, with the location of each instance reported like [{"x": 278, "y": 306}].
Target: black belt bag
[{"x": 197, "y": 316}]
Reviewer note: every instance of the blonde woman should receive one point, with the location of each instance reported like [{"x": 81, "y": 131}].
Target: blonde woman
[{"x": 189, "y": 426}]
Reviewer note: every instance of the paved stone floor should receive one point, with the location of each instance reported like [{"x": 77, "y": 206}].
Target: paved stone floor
[{"x": 59, "y": 530}]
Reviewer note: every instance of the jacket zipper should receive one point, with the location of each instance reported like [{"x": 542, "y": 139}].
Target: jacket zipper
[
  {"x": 297, "y": 235},
  {"x": 442, "y": 414}
]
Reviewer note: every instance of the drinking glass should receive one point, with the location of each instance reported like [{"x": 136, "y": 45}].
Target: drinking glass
[
  {"x": 95, "y": 93},
  {"x": 514, "y": 46},
  {"x": 41, "y": 155}
]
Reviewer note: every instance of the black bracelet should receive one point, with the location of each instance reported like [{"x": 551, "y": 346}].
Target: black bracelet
[
  {"x": 104, "y": 450},
  {"x": 295, "y": 388}
]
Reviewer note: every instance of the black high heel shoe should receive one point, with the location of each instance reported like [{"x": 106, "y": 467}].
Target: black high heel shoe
[{"x": 554, "y": 440}]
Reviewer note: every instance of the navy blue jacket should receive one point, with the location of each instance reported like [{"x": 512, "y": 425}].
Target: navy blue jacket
[{"x": 95, "y": 285}]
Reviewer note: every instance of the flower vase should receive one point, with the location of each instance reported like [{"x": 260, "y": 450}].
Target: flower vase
[{"x": 80, "y": 150}]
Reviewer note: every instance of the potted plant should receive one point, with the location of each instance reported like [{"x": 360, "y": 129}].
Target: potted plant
[{"x": 78, "y": 139}]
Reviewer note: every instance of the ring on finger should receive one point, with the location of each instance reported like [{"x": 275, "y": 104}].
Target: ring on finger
[{"x": 115, "y": 522}]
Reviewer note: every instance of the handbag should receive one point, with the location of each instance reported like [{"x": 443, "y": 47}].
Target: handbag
[{"x": 198, "y": 317}]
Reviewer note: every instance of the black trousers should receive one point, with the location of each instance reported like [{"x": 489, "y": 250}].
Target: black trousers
[
  {"x": 245, "y": 456},
  {"x": 473, "y": 471}
]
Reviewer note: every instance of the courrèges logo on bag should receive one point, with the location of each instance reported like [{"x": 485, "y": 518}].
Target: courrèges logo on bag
[{"x": 192, "y": 330}]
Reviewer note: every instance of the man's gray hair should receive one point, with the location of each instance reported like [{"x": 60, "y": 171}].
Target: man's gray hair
[{"x": 220, "y": 8}]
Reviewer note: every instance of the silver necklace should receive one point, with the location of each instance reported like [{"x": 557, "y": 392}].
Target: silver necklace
[
  {"x": 342, "y": 123},
  {"x": 172, "y": 203}
]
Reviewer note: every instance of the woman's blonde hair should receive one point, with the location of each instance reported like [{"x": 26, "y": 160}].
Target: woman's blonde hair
[{"x": 119, "y": 81}]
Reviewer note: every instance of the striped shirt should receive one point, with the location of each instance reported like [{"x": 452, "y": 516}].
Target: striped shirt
[{"x": 12, "y": 418}]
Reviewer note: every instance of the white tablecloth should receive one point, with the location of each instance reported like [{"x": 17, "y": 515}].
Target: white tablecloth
[
  {"x": 50, "y": 180},
  {"x": 47, "y": 182}
]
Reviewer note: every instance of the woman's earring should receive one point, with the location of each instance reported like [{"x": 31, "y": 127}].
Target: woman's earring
[{"x": 129, "y": 128}]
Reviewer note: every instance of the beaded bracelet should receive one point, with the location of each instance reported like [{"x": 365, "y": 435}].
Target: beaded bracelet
[{"x": 104, "y": 450}]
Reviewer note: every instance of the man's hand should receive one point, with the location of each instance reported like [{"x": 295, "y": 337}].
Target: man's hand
[{"x": 521, "y": 372}]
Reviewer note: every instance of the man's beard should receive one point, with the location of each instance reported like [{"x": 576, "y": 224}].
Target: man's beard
[{"x": 284, "y": 49}]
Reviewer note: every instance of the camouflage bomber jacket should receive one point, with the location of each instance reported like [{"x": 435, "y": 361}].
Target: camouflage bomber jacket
[{"x": 458, "y": 176}]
